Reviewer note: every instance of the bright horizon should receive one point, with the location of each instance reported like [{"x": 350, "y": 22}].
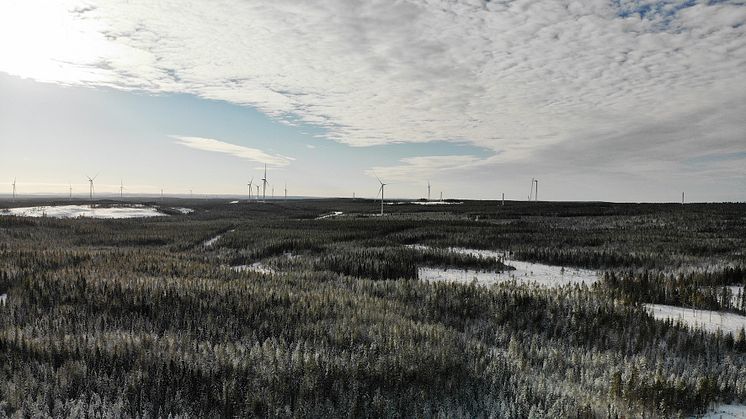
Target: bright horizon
[{"x": 630, "y": 101}]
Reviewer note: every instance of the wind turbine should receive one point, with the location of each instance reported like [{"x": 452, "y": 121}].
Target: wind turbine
[
  {"x": 536, "y": 192},
  {"x": 273, "y": 192},
  {"x": 428, "y": 190},
  {"x": 121, "y": 189},
  {"x": 531, "y": 194},
  {"x": 249, "y": 185},
  {"x": 286, "y": 191},
  {"x": 14, "y": 189},
  {"x": 257, "y": 191},
  {"x": 264, "y": 183},
  {"x": 71, "y": 191},
  {"x": 90, "y": 186},
  {"x": 380, "y": 191}
]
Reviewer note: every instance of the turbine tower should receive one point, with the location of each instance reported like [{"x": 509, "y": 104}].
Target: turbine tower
[
  {"x": 121, "y": 189},
  {"x": 380, "y": 191},
  {"x": 71, "y": 191},
  {"x": 90, "y": 186},
  {"x": 249, "y": 185},
  {"x": 257, "y": 191},
  {"x": 286, "y": 191},
  {"x": 531, "y": 194},
  {"x": 14, "y": 189},
  {"x": 264, "y": 183},
  {"x": 536, "y": 193},
  {"x": 428, "y": 190}
]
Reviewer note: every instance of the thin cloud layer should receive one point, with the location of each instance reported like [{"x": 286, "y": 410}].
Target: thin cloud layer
[
  {"x": 529, "y": 80},
  {"x": 217, "y": 146}
]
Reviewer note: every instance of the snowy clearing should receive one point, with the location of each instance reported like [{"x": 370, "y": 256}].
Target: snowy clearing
[
  {"x": 254, "y": 267},
  {"x": 233, "y": 202},
  {"x": 210, "y": 242},
  {"x": 183, "y": 210},
  {"x": 726, "y": 411},
  {"x": 708, "y": 320},
  {"x": 334, "y": 214},
  {"x": 424, "y": 203},
  {"x": 75, "y": 211},
  {"x": 525, "y": 272}
]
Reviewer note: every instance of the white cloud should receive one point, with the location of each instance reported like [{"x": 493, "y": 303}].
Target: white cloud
[
  {"x": 531, "y": 80},
  {"x": 415, "y": 169},
  {"x": 209, "y": 144}
]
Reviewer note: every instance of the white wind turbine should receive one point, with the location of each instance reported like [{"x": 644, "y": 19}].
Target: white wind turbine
[
  {"x": 14, "y": 189},
  {"x": 90, "y": 186},
  {"x": 428, "y": 190},
  {"x": 286, "y": 191},
  {"x": 121, "y": 189},
  {"x": 249, "y": 185},
  {"x": 380, "y": 191},
  {"x": 264, "y": 183}
]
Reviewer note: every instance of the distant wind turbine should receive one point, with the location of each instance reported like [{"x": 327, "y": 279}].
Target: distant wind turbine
[
  {"x": 286, "y": 191},
  {"x": 249, "y": 185},
  {"x": 264, "y": 183},
  {"x": 428, "y": 190},
  {"x": 121, "y": 189},
  {"x": 14, "y": 189},
  {"x": 71, "y": 190},
  {"x": 90, "y": 186},
  {"x": 380, "y": 191}
]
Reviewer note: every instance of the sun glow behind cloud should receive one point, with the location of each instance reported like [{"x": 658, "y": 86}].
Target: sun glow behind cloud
[
  {"x": 217, "y": 146},
  {"x": 45, "y": 41}
]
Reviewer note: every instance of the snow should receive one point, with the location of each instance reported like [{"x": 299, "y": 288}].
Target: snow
[
  {"x": 3, "y": 299},
  {"x": 434, "y": 203},
  {"x": 424, "y": 203},
  {"x": 708, "y": 320},
  {"x": 334, "y": 214},
  {"x": 726, "y": 411},
  {"x": 74, "y": 211},
  {"x": 184, "y": 210},
  {"x": 210, "y": 242},
  {"x": 233, "y": 202},
  {"x": 254, "y": 267},
  {"x": 526, "y": 272}
]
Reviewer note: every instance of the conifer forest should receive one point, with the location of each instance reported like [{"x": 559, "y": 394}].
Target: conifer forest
[{"x": 320, "y": 308}]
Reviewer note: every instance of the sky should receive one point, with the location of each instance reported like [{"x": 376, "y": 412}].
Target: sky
[{"x": 619, "y": 100}]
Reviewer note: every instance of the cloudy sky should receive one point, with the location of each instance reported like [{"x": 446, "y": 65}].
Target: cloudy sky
[{"x": 622, "y": 100}]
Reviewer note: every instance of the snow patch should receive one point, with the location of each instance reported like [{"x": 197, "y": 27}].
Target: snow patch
[
  {"x": 525, "y": 272},
  {"x": 75, "y": 211},
  {"x": 424, "y": 203},
  {"x": 210, "y": 242},
  {"x": 334, "y": 214},
  {"x": 726, "y": 411},
  {"x": 708, "y": 320},
  {"x": 233, "y": 202},
  {"x": 183, "y": 210},
  {"x": 254, "y": 267},
  {"x": 3, "y": 299}
]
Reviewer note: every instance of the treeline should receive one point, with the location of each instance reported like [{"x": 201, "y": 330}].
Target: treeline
[{"x": 707, "y": 290}]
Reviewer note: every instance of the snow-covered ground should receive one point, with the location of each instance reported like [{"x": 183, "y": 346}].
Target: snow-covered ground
[
  {"x": 334, "y": 214},
  {"x": 254, "y": 267},
  {"x": 3, "y": 299},
  {"x": 233, "y": 202},
  {"x": 703, "y": 319},
  {"x": 184, "y": 210},
  {"x": 726, "y": 411},
  {"x": 526, "y": 272},
  {"x": 424, "y": 203},
  {"x": 74, "y": 211},
  {"x": 210, "y": 242}
]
